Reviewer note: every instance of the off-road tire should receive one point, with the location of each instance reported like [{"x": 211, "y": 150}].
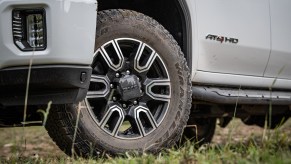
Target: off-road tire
[{"x": 90, "y": 139}]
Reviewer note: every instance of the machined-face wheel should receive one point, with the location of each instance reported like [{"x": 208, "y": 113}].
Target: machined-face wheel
[
  {"x": 139, "y": 97},
  {"x": 130, "y": 89}
]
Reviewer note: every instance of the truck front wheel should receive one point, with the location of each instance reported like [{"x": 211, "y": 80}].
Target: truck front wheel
[{"x": 139, "y": 97}]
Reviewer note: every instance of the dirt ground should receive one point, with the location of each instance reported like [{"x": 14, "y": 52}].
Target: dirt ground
[{"x": 35, "y": 142}]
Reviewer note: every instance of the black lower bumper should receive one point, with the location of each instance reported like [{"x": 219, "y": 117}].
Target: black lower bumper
[{"x": 59, "y": 84}]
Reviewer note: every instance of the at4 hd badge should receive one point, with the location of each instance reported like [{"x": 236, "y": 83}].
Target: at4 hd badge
[{"x": 222, "y": 39}]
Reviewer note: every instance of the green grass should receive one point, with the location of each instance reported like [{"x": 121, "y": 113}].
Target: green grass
[{"x": 245, "y": 145}]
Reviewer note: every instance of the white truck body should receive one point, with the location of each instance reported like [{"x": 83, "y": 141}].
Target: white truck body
[
  {"x": 70, "y": 28},
  {"x": 263, "y": 49},
  {"x": 54, "y": 40}
]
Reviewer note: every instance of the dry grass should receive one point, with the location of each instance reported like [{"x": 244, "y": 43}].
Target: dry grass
[{"x": 246, "y": 145}]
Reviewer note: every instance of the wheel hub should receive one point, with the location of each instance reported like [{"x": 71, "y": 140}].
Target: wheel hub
[{"x": 129, "y": 87}]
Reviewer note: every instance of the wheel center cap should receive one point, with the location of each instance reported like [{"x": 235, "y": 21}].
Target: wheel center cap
[{"x": 129, "y": 87}]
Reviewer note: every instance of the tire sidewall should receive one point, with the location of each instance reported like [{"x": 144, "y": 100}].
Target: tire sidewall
[{"x": 169, "y": 53}]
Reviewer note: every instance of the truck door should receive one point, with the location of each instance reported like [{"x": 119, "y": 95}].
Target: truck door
[
  {"x": 280, "y": 60},
  {"x": 233, "y": 36}
]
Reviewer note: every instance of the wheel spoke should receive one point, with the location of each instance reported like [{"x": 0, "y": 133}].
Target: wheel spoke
[
  {"x": 144, "y": 58},
  {"x": 112, "y": 54},
  {"x": 130, "y": 84},
  {"x": 112, "y": 120},
  {"x": 103, "y": 89},
  {"x": 143, "y": 120},
  {"x": 160, "y": 84}
]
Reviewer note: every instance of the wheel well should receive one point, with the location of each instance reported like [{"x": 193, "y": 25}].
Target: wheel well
[{"x": 172, "y": 14}]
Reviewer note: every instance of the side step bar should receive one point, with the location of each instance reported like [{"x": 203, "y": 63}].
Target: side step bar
[{"x": 240, "y": 96}]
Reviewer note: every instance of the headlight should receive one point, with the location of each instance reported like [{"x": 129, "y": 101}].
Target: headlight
[{"x": 29, "y": 29}]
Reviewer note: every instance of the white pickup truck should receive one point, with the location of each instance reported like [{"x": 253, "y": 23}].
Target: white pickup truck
[{"x": 157, "y": 66}]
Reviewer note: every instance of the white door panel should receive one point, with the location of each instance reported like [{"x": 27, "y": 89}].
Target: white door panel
[
  {"x": 246, "y": 20},
  {"x": 281, "y": 40}
]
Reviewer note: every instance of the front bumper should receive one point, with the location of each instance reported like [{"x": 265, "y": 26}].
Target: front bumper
[
  {"x": 70, "y": 29},
  {"x": 59, "y": 84}
]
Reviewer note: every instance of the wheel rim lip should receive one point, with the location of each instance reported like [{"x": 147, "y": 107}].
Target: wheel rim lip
[{"x": 93, "y": 115}]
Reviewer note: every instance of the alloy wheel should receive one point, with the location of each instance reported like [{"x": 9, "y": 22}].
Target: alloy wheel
[{"x": 130, "y": 91}]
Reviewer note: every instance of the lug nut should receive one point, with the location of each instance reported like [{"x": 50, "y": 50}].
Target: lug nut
[
  {"x": 114, "y": 98},
  {"x": 128, "y": 72},
  {"x": 135, "y": 102},
  {"x": 124, "y": 105},
  {"x": 111, "y": 85},
  {"x": 117, "y": 75}
]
